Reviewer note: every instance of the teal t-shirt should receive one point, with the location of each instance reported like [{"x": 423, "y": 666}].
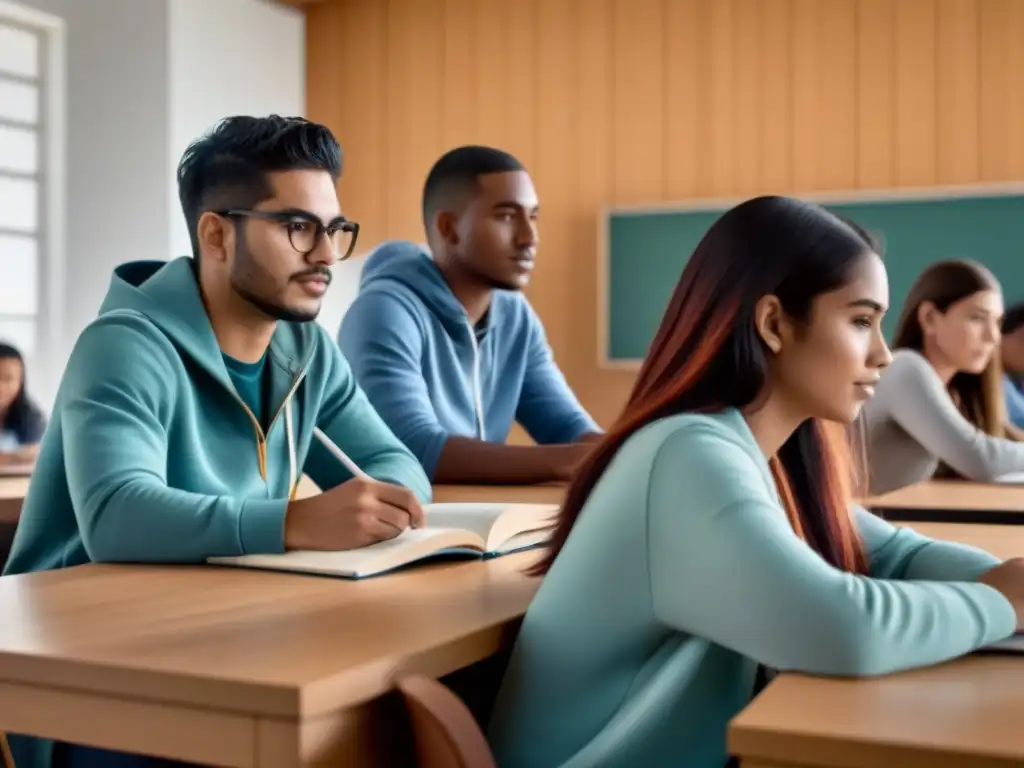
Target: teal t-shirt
[{"x": 248, "y": 381}]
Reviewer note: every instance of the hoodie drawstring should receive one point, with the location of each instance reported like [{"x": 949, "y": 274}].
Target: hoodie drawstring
[
  {"x": 293, "y": 485},
  {"x": 478, "y": 400}
]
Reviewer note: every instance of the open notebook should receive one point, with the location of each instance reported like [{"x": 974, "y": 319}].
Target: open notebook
[
  {"x": 1012, "y": 478},
  {"x": 463, "y": 529}
]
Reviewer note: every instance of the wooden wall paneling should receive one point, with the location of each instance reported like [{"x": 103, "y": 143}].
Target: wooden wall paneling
[
  {"x": 915, "y": 78},
  {"x": 805, "y": 106},
  {"x": 720, "y": 140},
  {"x": 684, "y": 81},
  {"x": 744, "y": 46},
  {"x": 492, "y": 59},
  {"x": 670, "y": 99},
  {"x": 521, "y": 79},
  {"x": 601, "y": 392},
  {"x": 347, "y": 85},
  {"x": 875, "y": 94},
  {"x": 460, "y": 72},
  {"x": 837, "y": 88},
  {"x": 1001, "y": 89},
  {"x": 415, "y": 69},
  {"x": 957, "y": 92},
  {"x": 775, "y": 139},
  {"x": 557, "y": 119},
  {"x": 638, "y": 93}
]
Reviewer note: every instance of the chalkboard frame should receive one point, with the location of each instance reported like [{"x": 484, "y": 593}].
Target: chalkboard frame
[{"x": 606, "y": 362}]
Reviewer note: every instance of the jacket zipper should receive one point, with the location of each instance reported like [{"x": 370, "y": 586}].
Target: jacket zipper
[{"x": 261, "y": 436}]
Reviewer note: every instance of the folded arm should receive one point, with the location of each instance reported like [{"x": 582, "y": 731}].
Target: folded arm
[
  {"x": 114, "y": 424},
  {"x": 732, "y": 570},
  {"x": 922, "y": 406}
]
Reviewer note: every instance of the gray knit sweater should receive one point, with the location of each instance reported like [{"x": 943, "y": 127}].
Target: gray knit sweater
[{"x": 913, "y": 424}]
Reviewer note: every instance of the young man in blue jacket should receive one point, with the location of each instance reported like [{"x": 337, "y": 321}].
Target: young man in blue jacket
[
  {"x": 446, "y": 345},
  {"x": 186, "y": 413}
]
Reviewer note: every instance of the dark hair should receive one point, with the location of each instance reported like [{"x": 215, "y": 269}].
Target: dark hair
[
  {"x": 228, "y": 167},
  {"x": 457, "y": 171},
  {"x": 24, "y": 418},
  {"x": 1013, "y": 318},
  {"x": 708, "y": 356},
  {"x": 979, "y": 397}
]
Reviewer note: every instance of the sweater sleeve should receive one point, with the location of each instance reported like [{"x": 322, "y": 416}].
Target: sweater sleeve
[
  {"x": 726, "y": 565},
  {"x": 900, "y": 552},
  {"x": 920, "y": 404}
]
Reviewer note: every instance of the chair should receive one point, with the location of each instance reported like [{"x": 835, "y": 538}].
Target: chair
[{"x": 445, "y": 732}]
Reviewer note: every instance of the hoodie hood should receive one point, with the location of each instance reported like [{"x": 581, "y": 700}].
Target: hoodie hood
[
  {"x": 411, "y": 266},
  {"x": 167, "y": 293}
]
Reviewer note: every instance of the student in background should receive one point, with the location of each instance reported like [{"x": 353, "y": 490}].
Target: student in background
[
  {"x": 21, "y": 421},
  {"x": 449, "y": 350},
  {"x": 939, "y": 409},
  {"x": 711, "y": 531},
  {"x": 187, "y": 409},
  {"x": 1012, "y": 348}
]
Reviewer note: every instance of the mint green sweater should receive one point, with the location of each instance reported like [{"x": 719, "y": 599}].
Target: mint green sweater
[{"x": 681, "y": 576}]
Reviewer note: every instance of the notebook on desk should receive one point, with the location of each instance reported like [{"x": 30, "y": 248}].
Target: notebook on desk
[
  {"x": 1011, "y": 478},
  {"x": 457, "y": 529}
]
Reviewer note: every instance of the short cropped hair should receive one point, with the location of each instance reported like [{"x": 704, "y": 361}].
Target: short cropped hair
[
  {"x": 1013, "y": 318},
  {"x": 456, "y": 173},
  {"x": 228, "y": 166}
]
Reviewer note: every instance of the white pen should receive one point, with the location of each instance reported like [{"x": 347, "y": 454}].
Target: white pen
[{"x": 339, "y": 454}]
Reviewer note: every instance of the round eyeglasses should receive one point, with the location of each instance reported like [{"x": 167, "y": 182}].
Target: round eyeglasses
[{"x": 305, "y": 229}]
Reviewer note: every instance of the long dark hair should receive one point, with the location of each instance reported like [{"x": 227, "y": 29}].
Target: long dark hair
[
  {"x": 708, "y": 356},
  {"x": 23, "y": 417},
  {"x": 978, "y": 396}
]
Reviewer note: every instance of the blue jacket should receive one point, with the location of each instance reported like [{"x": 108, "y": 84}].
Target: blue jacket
[{"x": 430, "y": 374}]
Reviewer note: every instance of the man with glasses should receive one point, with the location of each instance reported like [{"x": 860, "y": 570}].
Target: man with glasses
[{"x": 187, "y": 410}]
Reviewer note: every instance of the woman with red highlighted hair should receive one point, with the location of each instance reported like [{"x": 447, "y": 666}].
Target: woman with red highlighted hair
[{"x": 711, "y": 534}]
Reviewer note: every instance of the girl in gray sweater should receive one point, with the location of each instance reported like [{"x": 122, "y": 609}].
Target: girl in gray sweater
[{"x": 938, "y": 409}]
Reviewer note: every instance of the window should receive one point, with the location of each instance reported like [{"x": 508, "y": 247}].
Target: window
[{"x": 30, "y": 276}]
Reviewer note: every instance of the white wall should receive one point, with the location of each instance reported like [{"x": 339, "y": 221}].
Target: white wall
[
  {"x": 144, "y": 78},
  {"x": 116, "y": 127},
  {"x": 229, "y": 57}
]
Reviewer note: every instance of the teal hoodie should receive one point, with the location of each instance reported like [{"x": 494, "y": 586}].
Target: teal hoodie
[
  {"x": 681, "y": 576},
  {"x": 151, "y": 455}
]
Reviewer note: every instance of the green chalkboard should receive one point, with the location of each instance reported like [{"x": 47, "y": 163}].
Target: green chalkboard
[{"x": 647, "y": 250}]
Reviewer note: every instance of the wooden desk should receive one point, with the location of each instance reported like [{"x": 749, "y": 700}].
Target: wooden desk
[
  {"x": 952, "y": 501},
  {"x": 551, "y": 493},
  {"x": 965, "y": 713},
  {"x": 230, "y": 667},
  {"x": 12, "y": 495}
]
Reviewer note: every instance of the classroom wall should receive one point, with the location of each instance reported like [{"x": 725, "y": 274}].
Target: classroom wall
[
  {"x": 634, "y": 101},
  {"x": 117, "y": 128},
  {"x": 228, "y": 57},
  {"x": 145, "y": 77}
]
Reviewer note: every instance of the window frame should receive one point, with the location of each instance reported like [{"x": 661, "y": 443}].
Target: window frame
[{"x": 50, "y": 127}]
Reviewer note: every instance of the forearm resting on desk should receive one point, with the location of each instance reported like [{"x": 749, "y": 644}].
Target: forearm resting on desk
[{"x": 466, "y": 460}]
